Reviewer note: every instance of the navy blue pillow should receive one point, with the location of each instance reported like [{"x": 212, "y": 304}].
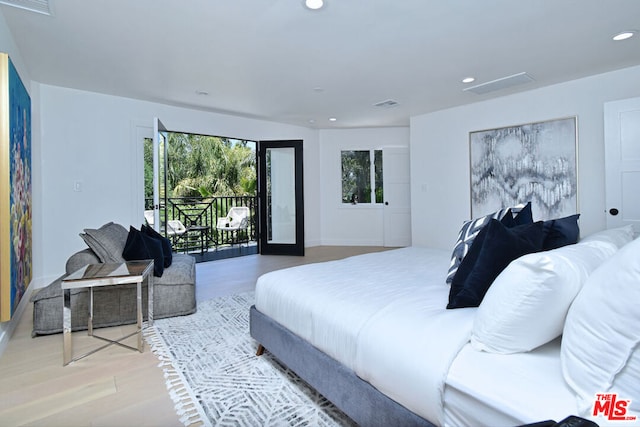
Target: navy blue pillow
[
  {"x": 139, "y": 246},
  {"x": 561, "y": 232},
  {"x": 524, "y": 216},
  {"x": 492, "y": 250},
  {"x": 167, "y": 250}
]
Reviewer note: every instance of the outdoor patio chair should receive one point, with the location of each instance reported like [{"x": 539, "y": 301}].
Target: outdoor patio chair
[
  {"x": 175, "y": 227},
  {"x": 237, "y": 219}
]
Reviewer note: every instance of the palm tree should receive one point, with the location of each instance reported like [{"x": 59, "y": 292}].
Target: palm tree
[{"x": 209, "y": 166}]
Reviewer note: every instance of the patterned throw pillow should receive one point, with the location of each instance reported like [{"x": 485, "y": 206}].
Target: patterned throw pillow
[
  {"x": 518, "y": 215},
  {"x": 468, "y": 233}
]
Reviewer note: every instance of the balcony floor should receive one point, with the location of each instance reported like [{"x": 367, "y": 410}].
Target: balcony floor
[{"x": 226, "y": 251}]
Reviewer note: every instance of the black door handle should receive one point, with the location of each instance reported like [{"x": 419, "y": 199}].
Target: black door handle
[
  {"x": 614, "y": 211},
  {"x": 386, "y": 203}
]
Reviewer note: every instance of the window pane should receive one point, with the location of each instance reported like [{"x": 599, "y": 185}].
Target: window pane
[
  {"x": 378, "y": 172},
  {"x": 356, "y": 177}
]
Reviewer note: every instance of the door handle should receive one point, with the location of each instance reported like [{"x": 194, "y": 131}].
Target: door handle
[
  {"x": 386, "y": 203},
  {"x": 614, "y": 211}
]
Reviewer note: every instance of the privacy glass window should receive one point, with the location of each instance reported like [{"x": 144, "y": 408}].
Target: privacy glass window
[{"x": 362, "y": 176}]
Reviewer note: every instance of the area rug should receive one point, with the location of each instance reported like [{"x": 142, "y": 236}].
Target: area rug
[{"x": 215, "y": 378}]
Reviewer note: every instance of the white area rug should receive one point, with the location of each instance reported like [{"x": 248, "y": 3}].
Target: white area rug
[{"x": 215, "y": 378}]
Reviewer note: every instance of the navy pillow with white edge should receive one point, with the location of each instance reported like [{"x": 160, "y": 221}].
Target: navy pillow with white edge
[{"x": 494, "y": 248}]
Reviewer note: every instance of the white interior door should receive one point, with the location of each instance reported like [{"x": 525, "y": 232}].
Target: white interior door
[
  {"x": 622, "y": 162},
  {"x": 397, "y": 197}
]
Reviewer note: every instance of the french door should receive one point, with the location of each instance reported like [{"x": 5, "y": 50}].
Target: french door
[
  {"x": 160, "y": 147},
  {"x": 280, "y": 198}
]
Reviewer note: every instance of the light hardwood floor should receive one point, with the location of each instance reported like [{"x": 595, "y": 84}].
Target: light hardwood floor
[{"x": 116, "y": 386}]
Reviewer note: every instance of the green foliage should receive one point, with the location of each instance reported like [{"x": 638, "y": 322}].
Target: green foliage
[{"x": 206, "y": 166}]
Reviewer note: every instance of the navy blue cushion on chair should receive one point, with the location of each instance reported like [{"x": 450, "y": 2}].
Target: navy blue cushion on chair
[
  {"x": 492, "y": 250},
  {"x": 167, "y": 249},
  {"x": 139, "y": 246},
  {"x": 561, "y": 232}
]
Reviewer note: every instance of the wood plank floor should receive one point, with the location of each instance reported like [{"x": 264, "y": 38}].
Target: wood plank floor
[{"x": 116, "y": 386}]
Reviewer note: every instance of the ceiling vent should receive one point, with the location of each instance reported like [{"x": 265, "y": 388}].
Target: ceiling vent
[
  {"x": 386, "y": 104},
  {"x": 499, "y": 84},
  {"x": 39, "y": 6}
]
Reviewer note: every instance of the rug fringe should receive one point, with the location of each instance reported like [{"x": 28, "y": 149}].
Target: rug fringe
[{"x": 186, "y": 404}]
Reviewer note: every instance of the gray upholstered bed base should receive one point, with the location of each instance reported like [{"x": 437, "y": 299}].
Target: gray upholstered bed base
[{"x": 357, "y": 398}]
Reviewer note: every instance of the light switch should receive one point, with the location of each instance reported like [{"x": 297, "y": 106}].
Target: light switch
[{"x": 77, "y": 186}]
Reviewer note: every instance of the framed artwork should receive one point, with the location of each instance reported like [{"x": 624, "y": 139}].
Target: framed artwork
[
  {"x": 534, "y": 162},
  {"x": 15, "y": 189}
]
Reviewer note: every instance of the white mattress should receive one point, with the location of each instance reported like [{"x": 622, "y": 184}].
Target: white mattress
[
  {"x": 382, "y": 314},
  {"x": 484, "y": 389}
]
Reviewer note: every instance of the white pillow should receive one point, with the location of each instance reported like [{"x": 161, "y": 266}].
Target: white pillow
[
  {"x": 527, "y": 303},
  {"x": 600, "y": 350},
  {"x": 618, "y": 236}
]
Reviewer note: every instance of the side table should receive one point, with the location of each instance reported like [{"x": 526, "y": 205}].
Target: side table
[{"x": 106, "y": 274}]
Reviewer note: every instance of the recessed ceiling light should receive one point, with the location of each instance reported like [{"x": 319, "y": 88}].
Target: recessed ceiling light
[
  {"x": 624, "y": 35},
  {"x": 314, "y": 4},
  {"x": 468, "y": 80},
  {"x": 332, "y": 119}
]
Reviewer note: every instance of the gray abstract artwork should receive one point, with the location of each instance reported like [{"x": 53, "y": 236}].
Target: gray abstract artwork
[{"x": 532, "y": 162}]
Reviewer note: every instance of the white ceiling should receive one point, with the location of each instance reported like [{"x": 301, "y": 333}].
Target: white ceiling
[{"x": 276, "y": 60}]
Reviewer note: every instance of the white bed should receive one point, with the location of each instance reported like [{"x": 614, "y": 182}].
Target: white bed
[
  {"x": 360, "y": 312},
  {"x": 383, "y": 317}
]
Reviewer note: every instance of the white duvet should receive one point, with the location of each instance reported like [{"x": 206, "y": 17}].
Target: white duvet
[{"x": 382, "y": 314}]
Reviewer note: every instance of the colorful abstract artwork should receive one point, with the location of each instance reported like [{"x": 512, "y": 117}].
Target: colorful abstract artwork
[
  {"x": 534, "y": 162},
  {"x": 15, "y": 189}
]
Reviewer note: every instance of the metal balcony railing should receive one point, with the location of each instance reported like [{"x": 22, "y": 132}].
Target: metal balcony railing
[{"x": 199, "y": 215}]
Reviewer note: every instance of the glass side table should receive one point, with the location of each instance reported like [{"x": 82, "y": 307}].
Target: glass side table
[{"x": 107, "y": 274}]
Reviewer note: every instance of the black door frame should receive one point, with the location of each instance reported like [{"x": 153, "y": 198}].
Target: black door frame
[{"x": 264, "y": 247}]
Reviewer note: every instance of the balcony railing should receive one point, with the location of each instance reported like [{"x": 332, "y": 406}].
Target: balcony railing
[{"x": 199, "y": 215}]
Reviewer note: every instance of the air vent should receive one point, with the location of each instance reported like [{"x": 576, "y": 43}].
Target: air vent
[
  {"x": 499, "y": 84},
  {"x": 386, "y": 104},
  {"x": 39, "y": 6}
]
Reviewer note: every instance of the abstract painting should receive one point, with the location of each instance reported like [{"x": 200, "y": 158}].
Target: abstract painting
[
  {"x": 15, "y": 189},
  {"x": 534, "y": 162}
]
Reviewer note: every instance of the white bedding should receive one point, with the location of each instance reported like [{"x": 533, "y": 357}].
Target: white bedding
[
  {"x": 371, "y": 311},
  {"x": 482, "y": 388}
]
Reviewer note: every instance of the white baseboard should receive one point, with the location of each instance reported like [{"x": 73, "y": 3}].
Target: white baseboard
[
  {"x": 351, "y": 242},
  {"x": 7, "y": 328}
]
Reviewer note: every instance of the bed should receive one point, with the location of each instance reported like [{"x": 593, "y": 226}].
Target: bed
[{"x": 373, "y": 335}]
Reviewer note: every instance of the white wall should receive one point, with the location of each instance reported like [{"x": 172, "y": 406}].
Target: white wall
[
  {"x": 440, "y": 182},
  {"x": 93, "y": 138},
  {"x": 346, "y": 224}
]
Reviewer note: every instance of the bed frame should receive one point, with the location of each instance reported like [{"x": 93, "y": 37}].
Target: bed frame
[{"x": 362, "y": 402}]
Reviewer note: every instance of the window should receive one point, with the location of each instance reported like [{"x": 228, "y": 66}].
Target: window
[{"x": 362, "y": 179}]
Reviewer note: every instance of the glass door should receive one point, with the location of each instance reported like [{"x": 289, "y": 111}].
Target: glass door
[
  {"x": 159, "y": 176},
  {"x": 281, "y": 201}
]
